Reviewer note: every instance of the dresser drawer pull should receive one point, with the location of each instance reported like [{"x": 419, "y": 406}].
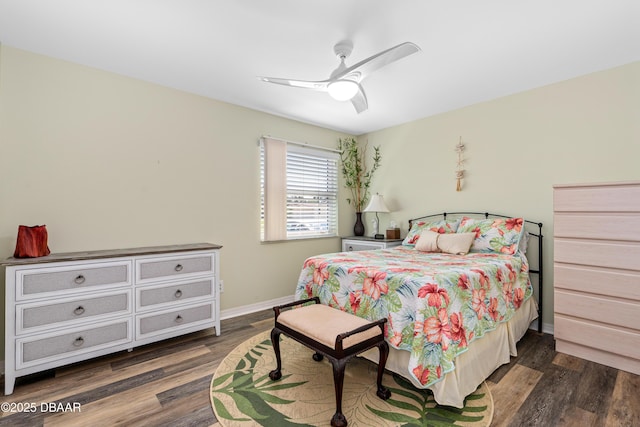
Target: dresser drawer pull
[
  {"x": 78, "y": 342},
  {"x": 178, "y": 293},
  {"x": 78, "y": 311},
  {"x": 79, "y": 280},
  {"x": 179, "y": 319},
  {"x": 178, "y": 267}
]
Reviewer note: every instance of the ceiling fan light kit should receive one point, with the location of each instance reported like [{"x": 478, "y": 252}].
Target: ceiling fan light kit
[
  {"x": 344, "y": 82},
  {"x": 343, "y": 90}
]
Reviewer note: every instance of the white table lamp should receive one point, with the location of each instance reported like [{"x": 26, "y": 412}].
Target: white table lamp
[{"x": 376, "y": 204}]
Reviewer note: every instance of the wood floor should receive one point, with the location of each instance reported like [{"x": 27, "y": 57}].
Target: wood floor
[{"x": 166, "y": 384}]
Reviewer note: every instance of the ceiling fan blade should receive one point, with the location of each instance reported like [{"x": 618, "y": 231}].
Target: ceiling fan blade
[
  {"x": 321, "y": 85},
  {"x": 359, "y": 101},
  {"x": 363, "y": 68}
]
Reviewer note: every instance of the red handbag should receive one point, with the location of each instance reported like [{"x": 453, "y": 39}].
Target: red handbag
[{"x": 32, "y": 242}]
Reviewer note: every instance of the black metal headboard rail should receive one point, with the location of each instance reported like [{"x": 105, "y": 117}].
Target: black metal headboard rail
[{"x": 487, "y": 215}]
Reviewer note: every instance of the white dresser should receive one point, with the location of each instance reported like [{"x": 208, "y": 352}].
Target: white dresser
[
  {"x": 597, "y": 272},
  {"x": 64, "y": 308}
]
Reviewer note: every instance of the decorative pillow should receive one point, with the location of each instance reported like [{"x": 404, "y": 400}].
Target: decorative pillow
[
  {"x": 494, "y": 235},
  {"x": 456, "y": 243},
  {"x": 428, "y": 241},
  {"x": 442, "y": 226}
]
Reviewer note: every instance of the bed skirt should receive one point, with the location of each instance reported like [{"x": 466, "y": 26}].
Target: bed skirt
[{"x": 483, "y": 356}]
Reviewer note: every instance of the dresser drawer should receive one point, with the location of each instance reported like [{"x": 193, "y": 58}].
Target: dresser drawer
[
  {"x": 349, "y": 245},
  {"x": 36, "y": 283},
  {"x": 37, "y": 350},
  {"x": 158, "y": 296},
  {"x": 357, "y": 247},
  {"x": 33, "y": 317},
  {"x": 167, "y": 321},
  {"x": 175, "y": 267}
]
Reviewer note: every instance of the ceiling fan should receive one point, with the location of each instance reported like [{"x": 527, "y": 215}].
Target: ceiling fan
[{"x": 344, "y": 82}]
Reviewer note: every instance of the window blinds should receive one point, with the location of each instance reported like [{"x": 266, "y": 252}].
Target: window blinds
[{"x": 299, "y": 191}]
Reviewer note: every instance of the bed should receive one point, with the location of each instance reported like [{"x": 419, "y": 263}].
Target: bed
[{"x": 457, "y": 295}]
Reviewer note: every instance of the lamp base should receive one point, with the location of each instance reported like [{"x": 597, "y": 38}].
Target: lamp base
[{"x": 378, "y": 236}]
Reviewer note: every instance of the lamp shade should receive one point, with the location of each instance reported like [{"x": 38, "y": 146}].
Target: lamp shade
[{"x": 376, "y": 204}]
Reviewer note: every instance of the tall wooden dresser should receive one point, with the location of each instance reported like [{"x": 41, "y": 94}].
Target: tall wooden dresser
[
  {"x": 597, "y": 272},
  {"x": 64, "y": 308}
]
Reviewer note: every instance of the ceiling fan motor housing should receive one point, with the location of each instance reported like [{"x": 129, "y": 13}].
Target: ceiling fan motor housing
[{"x": 343, "y": 49}]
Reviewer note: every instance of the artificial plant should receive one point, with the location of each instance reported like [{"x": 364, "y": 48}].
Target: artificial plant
[{"x": 356, "y": 175}]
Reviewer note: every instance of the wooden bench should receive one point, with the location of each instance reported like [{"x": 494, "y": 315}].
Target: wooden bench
[{"x": 332, "y": 333}]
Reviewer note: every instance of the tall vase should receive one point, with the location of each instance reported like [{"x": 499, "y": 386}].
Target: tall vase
[{"x": 358, "y": 228}]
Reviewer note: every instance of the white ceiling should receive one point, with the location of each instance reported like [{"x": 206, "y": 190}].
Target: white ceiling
[{"x": 472, "y": 50}]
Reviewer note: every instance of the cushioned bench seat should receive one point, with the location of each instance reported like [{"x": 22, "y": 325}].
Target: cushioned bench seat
[{"x": 331, "y": 333}]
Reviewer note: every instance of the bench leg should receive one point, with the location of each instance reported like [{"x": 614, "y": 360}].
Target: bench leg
[
  {"x": 338, "y": 419},
  {"x": 383, "y": 392},
  {"x": 276, "y": 374}
]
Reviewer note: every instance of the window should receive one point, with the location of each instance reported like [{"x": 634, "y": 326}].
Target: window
[{"x": 299, "y": 191}]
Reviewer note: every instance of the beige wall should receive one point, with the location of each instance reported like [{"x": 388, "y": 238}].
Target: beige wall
[
  {"x": 107, "y": 161},
  {"x": 582, "y": 130}
]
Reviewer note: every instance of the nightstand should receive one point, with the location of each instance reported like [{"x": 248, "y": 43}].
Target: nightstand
[{"x": 364, "y": 243}]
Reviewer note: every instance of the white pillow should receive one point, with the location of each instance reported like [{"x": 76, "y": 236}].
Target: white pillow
[
  {"x": 451, "y": 243},
  {"x": 524, "y": 242},
  {"x": 456, "y": 243},
  {"x": 428, "y": 241}
]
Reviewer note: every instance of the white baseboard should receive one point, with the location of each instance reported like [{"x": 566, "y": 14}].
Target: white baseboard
[
  {"x": 547, "y": 328},
  {"x": 252, "y": 308}
]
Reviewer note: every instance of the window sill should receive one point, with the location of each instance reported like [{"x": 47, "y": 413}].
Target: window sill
[{"x": 297, "y": 239}]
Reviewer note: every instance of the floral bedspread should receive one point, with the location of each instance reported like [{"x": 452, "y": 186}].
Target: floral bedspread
[{"x": 435, "y": 303}]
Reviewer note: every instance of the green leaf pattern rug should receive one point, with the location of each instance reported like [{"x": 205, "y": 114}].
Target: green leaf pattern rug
[{"x": 243, "y": 395}]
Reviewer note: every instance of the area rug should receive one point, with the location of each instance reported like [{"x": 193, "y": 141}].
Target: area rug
[{"x": 243, "y": 395}]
